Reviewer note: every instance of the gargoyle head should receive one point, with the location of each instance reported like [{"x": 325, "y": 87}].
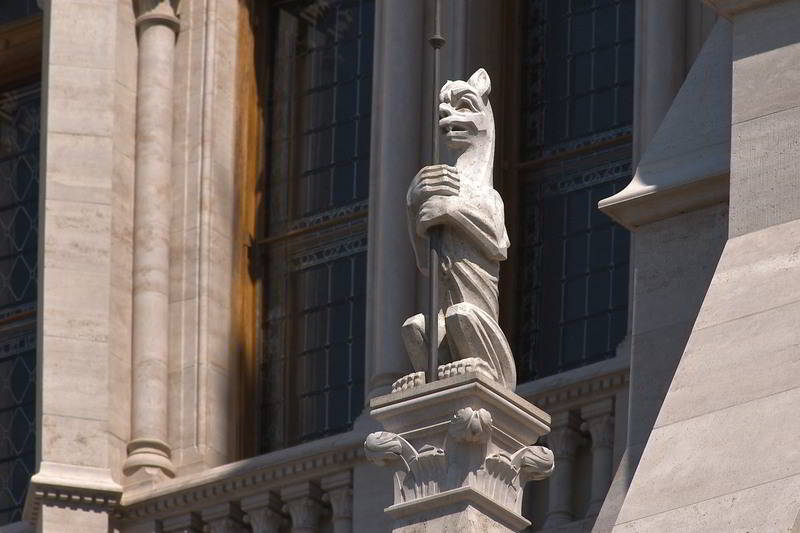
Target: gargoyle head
[{"x": 465, "y": 114}]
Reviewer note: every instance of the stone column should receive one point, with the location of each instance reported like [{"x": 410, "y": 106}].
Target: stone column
[
  {"x": 563, "y": 440},
  {"x": 599, "y": 420},
  {"x": 660, "y": 65},
  {"x": 148, "y": 449},
  {"x": 263, "y": 512},
  {"x": 395, "y": 158},
  {"x": 304, "y": 505},
  {"x": 338, "y": 490}
]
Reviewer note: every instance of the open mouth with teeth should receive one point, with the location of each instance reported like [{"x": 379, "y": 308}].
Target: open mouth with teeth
[{"x": 453, "y": 130}]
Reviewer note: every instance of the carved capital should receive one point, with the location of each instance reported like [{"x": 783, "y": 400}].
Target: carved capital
[
  {"x": 602, "y": 431},
  {"x": 338, "y": 490},
  {"x": 265, "y": 520},
  {"x": 564, "y": 437},
  {"x": 304, "y": 505},
  {"x": 156, "y": 12}
]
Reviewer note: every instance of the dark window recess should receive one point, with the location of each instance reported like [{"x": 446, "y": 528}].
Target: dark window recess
[
  {"x": 577, "y": 75},
  {"x": 19, "y": 222},
  {"x": 11, "y": 10},
  {"x": 315, "y": 252},
  {"x": 574, "y": 273}
]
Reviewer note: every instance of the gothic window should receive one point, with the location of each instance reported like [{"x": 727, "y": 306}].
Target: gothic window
[
  {"x": 577, "y": 80},
  {"x": 315, "y": 248}
]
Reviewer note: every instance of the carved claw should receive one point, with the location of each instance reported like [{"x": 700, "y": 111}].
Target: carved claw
[
  {"x": 469, "y": 425},
  {"x": 534, "y": 462}
]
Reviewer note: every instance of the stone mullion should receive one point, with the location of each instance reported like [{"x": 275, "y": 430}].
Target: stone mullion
[
  {"x": 148, "y": 450},
  {"x": 599, "y": 421},
  {"x": 563, "y": 440}
]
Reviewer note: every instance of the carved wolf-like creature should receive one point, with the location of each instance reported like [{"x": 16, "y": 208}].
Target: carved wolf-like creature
[{"x": 463, "y": 203}]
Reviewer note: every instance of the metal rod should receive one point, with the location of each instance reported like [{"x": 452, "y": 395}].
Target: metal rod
[{"x": 432, "y": 316}]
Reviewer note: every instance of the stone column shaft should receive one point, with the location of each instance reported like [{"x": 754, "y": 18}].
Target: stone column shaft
[
  {"x": 599, "y": 421},
  {"x": 563, "y": 440},
  {"x": 660, "y": 65},
  {"x": 148, "y": 447},
  {"x": 338, "y": 490}
]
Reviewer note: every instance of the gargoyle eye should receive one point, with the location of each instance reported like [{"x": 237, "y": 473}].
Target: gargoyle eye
[{"x": 466, "y": 104}]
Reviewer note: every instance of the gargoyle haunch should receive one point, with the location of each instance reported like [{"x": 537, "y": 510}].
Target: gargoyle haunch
[{"x": 462, "y": 202}]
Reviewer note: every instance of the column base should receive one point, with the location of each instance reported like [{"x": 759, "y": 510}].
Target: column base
[
  {"x": 462, "y": 451},
  {"x": 148, "y": 458}
]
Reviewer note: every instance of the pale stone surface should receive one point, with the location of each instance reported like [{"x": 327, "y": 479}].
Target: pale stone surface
[
  {"x": 765, "y": 118},
  {"x": 705, "y": 457},
  {"x": 74, "y": 359},
  {"x": 461, "y": 204},
  {"x": 739, "y": 372}
]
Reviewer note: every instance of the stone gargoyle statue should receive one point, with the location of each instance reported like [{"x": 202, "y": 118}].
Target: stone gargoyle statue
[{"x": 462, "y": 202}]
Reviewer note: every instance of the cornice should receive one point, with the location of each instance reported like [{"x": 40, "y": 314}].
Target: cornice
[
  {"x": 244, "y": 478},
  {"x": 71, "y": 486}
]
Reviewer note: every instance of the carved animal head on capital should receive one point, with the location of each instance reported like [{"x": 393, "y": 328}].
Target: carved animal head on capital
[{"x": 465, "y": 114}]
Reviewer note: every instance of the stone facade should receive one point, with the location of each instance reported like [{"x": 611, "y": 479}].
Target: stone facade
[{"x": 139, "y": 413}]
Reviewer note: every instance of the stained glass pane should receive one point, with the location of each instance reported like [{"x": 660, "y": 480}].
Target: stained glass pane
[
  {"x": 19, "y": 193},
  {"x": 320, "y": 103}
]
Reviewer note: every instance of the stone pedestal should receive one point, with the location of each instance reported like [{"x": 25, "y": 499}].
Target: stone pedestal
[{"x": 462, "y": 452}]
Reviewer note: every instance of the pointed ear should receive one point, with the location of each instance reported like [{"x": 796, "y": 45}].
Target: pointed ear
[{"x": 480, "y": 80}]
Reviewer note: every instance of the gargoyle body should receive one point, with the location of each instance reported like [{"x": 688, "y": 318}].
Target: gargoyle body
[{"x": 461, "y": 202}]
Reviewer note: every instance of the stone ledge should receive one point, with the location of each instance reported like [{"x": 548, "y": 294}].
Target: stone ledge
[
  {"x": 74, "y": 486},
  {"x": 460, "y": 497}
]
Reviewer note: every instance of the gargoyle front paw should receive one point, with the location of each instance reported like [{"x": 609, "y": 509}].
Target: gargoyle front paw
[{"x": 414, "y": 379}]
